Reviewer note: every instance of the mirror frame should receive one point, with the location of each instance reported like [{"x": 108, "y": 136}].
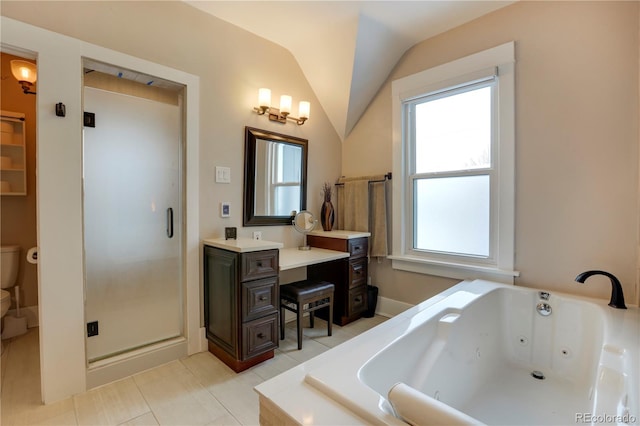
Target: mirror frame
[{"x": 251, "y": 135}]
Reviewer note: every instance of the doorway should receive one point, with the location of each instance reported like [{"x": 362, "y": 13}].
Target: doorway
[
  {"x": 20, "y": 374},
  {"x": 132, "y": 211}
]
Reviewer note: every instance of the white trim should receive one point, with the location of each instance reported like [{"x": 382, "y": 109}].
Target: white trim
[
  {"x": 470, "y": 67},
  {"x": 452, "y": 270}
]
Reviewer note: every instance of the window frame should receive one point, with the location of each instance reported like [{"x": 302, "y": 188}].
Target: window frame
[{"x": 495, "y": 64}]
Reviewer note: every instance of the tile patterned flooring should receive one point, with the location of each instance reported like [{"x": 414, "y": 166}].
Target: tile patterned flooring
[{"x": 197, "y": 390}]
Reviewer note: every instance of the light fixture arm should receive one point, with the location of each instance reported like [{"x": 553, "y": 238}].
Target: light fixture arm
[{"x": 26, "y": 88}]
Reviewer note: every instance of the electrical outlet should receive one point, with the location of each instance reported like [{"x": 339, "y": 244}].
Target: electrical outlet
[
  {"x": 257, "y": 235},
  {"x": 92, "y": 328}
]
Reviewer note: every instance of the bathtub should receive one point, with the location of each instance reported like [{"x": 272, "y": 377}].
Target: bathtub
[
  {"x": 487, "y": 352},
  {"x": 480, "y": 352}
]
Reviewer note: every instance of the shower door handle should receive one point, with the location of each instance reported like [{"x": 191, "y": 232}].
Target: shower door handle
[{"x": 170, "y": 222}]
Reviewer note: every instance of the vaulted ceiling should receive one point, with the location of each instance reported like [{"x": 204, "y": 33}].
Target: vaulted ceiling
[{"x": 347, "y": 49}]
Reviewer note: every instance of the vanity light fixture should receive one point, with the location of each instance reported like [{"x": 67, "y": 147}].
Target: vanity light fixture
[
  {"x": 26, "y": 74},
  {"x": 283, "y": 113}
]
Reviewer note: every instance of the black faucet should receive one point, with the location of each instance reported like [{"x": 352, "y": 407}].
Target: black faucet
[{"x": 617, "y": 298}]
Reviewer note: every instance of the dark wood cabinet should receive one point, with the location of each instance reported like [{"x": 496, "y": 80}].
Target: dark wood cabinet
[
  {"x": 241, "y": 296},
  {"x": 349, "y": 275}
]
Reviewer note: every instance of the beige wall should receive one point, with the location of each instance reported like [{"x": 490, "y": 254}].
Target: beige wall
[
  {"x": 576, "y": 141},
  {"x": 18, "y": 213},
  {"x": 231, "y": 63}
]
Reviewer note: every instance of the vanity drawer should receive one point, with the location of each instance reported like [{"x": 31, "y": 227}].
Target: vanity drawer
[
  {"x": 358, "y": 247},
  {"x": 259, "y": 297},
  {"x": 259, "y": 264},
  {"x": 357, "y": 300},
  {"x": 259, "y": 336},
  {"x": 357, "y": 272}
]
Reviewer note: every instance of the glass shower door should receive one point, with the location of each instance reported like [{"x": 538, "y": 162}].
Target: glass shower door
[{"x": 132, "y": 223}]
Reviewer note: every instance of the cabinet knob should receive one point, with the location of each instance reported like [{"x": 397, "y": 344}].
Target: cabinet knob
[
  {"x": 260, "y": 335},
  {"x": 262, "y": 298},
  {"x": 357, "y": 299}
]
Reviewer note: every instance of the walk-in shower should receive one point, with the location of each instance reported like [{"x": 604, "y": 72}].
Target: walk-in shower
[{"x": 133, "y": 211}]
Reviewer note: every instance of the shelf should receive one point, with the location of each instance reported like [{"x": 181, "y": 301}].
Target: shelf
[{"x": 12, "y": 147}]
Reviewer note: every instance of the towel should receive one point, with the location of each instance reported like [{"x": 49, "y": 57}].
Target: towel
[
  {"x": 362, "y": 206},
  {"x": 378, "y": 222},
  {"x": 355, "y": 207}
]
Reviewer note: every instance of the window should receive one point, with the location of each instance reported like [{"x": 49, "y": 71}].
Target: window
[
  {"x": 454, "y": 151},
  {"x": 286, "y": 178}
]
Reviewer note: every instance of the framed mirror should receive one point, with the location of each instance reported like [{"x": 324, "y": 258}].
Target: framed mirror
[{"x": 275, "y": 177}]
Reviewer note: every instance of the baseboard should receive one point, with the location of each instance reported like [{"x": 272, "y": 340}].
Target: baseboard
[
  {"x": 390, "y": 307},
  {"x": 31, "y": 312}
]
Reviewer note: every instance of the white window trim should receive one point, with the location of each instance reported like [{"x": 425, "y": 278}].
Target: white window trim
[{"x": 457, "y": 72}]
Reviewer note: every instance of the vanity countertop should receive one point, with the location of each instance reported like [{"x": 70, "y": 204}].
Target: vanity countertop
[
  {"x": 291, "y": 258},
  {"x": 340, "y": 234},
  {"x": 242, "y": 245}
]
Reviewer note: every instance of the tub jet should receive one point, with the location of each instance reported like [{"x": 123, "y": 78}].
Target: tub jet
[{"x": 537, "y": 375}]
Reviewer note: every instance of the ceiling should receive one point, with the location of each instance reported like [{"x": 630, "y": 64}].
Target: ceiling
[{"x": 346, "y": 49}]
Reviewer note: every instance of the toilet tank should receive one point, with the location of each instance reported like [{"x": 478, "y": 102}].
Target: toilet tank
[{"x": 9, "y": 266}]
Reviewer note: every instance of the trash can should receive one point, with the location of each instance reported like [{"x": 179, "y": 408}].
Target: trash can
[{"x": 372, "y": 301}]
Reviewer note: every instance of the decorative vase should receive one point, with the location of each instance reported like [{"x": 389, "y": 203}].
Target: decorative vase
[{"x": 327, "y": 216}]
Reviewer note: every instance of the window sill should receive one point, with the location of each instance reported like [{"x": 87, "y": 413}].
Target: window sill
[{"x": 452, "y": 270}]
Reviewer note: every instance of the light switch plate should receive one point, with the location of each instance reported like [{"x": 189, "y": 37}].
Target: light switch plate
[{"x": 223, "y": 174}]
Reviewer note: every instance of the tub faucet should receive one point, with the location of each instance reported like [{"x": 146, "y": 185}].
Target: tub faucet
[{"x": 617, "y": 298}]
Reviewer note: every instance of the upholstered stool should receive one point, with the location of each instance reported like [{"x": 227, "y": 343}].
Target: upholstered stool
[{"x": 305, "y": 296}]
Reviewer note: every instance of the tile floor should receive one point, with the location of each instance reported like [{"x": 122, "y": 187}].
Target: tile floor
[{"x": 197, "y": 390}]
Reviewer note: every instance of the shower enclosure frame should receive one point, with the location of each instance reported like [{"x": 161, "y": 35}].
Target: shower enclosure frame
[
  {"x": 129, "y": 362},
  {"x": 132, "y": 171}
]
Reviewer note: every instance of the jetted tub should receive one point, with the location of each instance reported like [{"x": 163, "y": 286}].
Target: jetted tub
[{"x": 481, "y": 352}]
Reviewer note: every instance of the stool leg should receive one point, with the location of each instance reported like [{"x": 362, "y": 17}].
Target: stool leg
[
  {"x": 311, "y": 315},
  {"x": 281, "y": 322},
  {"x": 330, "y": 319},
  {"x": 299, "y": 305}
]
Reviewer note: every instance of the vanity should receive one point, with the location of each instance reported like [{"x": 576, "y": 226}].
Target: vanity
[
  {"x": 241, "y": 300},
  {"x": 241, "y": 282},
  {"x": 348, "y": 274},
  {"x": 242, "y": 289}
]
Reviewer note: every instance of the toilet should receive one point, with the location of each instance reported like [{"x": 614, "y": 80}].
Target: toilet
[{"x": 8, "y": 274}]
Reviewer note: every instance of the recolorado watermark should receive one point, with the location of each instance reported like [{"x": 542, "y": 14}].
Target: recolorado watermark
[{"x": 605, "y": 418}]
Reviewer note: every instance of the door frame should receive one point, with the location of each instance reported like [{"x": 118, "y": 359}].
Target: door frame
[{"x": 60, "y": 241}]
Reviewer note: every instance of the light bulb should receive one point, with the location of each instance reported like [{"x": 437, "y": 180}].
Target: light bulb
[
  {"x": 303, "y": 109},
  {"x": 285, "y": 105}
]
